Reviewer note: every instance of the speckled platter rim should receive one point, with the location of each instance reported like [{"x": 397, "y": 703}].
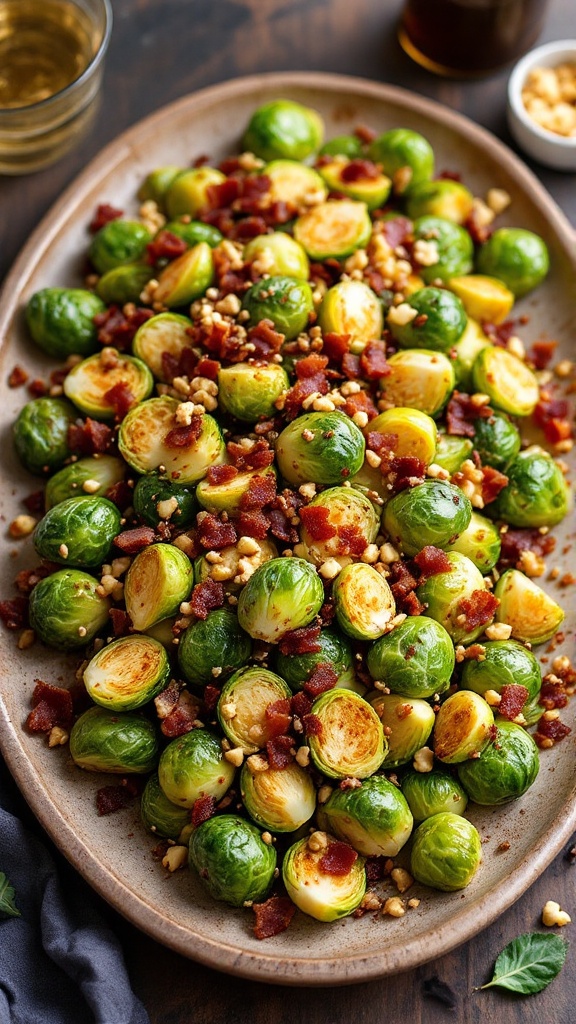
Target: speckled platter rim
[{"x": 269, "y": 962}]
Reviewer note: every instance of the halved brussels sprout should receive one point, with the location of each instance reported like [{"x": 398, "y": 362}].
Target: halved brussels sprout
[
  {"x": 333, "y": 649},
  {"x": 505, "y": 769},
  {"x": 401, "y": 149},
  {"x": 464, "y": 727},
  {"x": 536, "y": 494},
  {"x": 372, "y": 189},
  {"x": 484, "y": 298},
  {"x": 451, "y": 451},
  {"x": 281, "y": 595},
  {"x": 227, "y": 496},
  {"x": 413, "y": 432},
  {"x": 151, "y": 491},
  {"x": 454, "y": 244},
  {"x": 61, "y": 321},
  {"x": 186, "y": 278},
  {"x": 156, "y": 182},
  {"x": 41, "y": 434},
  {"x": 534, "y": 616},
  {"x": 235, "y": 865},
  {"x": 118, "y": 242},
  {"x": 480, "y": 541},
  {"x": 466, "y": 349},
  {"x": 242, "y": 707},
  {"x": 105, "y": 741},
  {"x": 316, "y": 890},
  {"x": 283, "y": 128},
  {"x": 415, "y": 660},
  {"x": 441, "y": 198},
  {"x": 216, "y": 642},
  {"x": 66, "y": 611},
  {"x": 505, "y": 663},
  {"x": 370, "y": 482},
  {"x": 363, "y": 601},
  {"x": 293, "y": 183},
  {"x": 517, "y": 257},
  {"x": 124, "y": 284},
  {"x": 89, "y": 383},
  {"x": 228, "y": 571},
  {"x": 144, "y": 434},
  {"x": 407, "y": 723},
  {"x": 68, "y": 482},
  {"x": 351, "y": 741},
  {"x": 326, "y": 447},
  {"x": 127, "y": 673},
  {"x": 78, "y": 532},
  {"x": 497, "y": 440},
  {"x": 286, "y": 301},
  {"x": 419, "y": 379},
  {"x": 446, "y": 852},
  {"x": 438, "y": 322},
  {"x": 351, "y": 307},
  {"x": 433, "y": 512},
  {"x": 508, "y": 382},
  {"x": 434, "y": 792},
  {"x": 192, "y": 766},
  {"x": 157, "y": 582},
  {"x": 374, "y": 818},
  {"x": 342, "y": 145},
  {"x": 333, "y": 229},
  {"x": 194, "y": 231},
  {"x": 348, "y": 510},
  {"x": 249, "y": 392},
  {"x": 159, "y": 814},
  {"x": 278, "y": 799},
  {"x": 278, "y": 253},
  {"x": 444, "y": 592},
  {"x": 163, "y": 333},
  {"x": 187, "y": 193}
]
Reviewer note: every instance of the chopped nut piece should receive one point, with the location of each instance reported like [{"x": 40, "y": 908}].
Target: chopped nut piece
[
  {"x": 402, "y": 879},
  {"x": 303, "y": 756},
  {"x": 394, "y": 907},
  {"x": 324, "y": 794},
  {"x": 402, "y": 314},
  {"x": 498, "y": 631},
  {"x": 63, "y": 551},
  {"x": 423, "y": 760},
  {"x": 175, "y": 858},
  {"x": 57, "y": 736},
  {"x": 492, "y": 697},
  {"x": 413, "y": 902},
  {"x": 318, "y": 841},
  {"x": 248, "y": 546},
  {"x": 26, "y": 639},
  {"x": 228, "y": 711},
  {"x": 91, "y": 486},
  {"x": 330, "y": 568},
  {"x": 167, "y": 508},
  {"x": 498, "y": 200},
  {"x": 370, "y": 901},
  {"x": 22, "y": 526},
  {"x": 257, "y": 763},
  {"x": 552, "y": 915},
  {"x": 235, "y": 756},
  {"x": 531, "y": 564}
]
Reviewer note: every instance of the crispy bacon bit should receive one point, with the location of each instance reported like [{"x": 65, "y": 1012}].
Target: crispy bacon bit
[
  {"x": 117, "y": 327},
  {"x": 551, "y": 415},
  {"x": 493, "y": 481},
  {"x": 34, "y": 502},
  {"x": 541, "y": 353},
  {"x": 279, "y": 750},
  {"x": 202, "y": 809},
  {"x": 296, "y": 395},
  {"x": 300, "y": 704},
  {"x": 261, "y": 491},
  {"x": 52, "y": 705},
  {"x": 120, "y": 621},
  {"x": 103, "y": 215},
  {"x": 121, "y": 494},
  {"x": 461, "y": 413},
  {"x": 166, "y": 246},
  {"x": 513, "y": 699},
  {"x": 323, "y": 677},
  {"x": 479, "y": 608},
  {"x": 365, "y": 134},
  {"x": 403, "y": 579},
  {"x": 221, "y": 474},
  {"x": 351, "y": 365},
  {"x": 397, "y": 231},
  {"x": 515, "y": 541},
  {"x": 338, "y": 859},
  {"x": 278, "y": 717},
  {"x": 206, "y": 596},
  {"x": 373, "y": 363},
  {"x": 382, "y": 444},
  {"x": 267, "y": 342},
  {"x": 477, "y": 229},
  {"x": 273, "y": 916},
  {"x": 182, "y": 717},
  {"x": 552, "y": 695},
  {"x": 259, "y": 456},
  {"x": 351, "y": 540},
  {"x": 301, "y": 641},
  {"x": 500, "y": 334},
  {"x": 37, "y": 388},
  {"x": 166, "y": 701},
  {"x": 208, "y": 368},
  {"x": 280, "y": 527},
  {"x": 14, "y": 612},
  {"x": 360, "y": 402},
  {"x": 376, "y": 869},
  {"x": 335, "y": 346},
  {"x": 17, "y": 377},
  {"x": 184, "y": 436},
  {"x": 114, "y": 798},
  {"x": 550, "y": 729},
  {"x": 132, "y": 541},
  {"x": 411, "y": 605},
  {"x": 253, "y": 524},
  {"x": 315, "y": 519},
  {"x": 408, "y": 471},
  {"x": 89, "y": 437},
  {"x": 312, "y": 725},
  {"x": 27, "y": 579},
  {"x": 327, "y": 613},
  {"x": 213, "y": 534},
  {"x": 121, "y": 398},
  {"x": 359, "y": 170},
  {"x": 430, "y": 561},
  {"x": 211, "y": 697}
]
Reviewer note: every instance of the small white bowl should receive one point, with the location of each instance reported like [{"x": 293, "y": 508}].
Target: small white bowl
[{"x": 545, "y": 146}]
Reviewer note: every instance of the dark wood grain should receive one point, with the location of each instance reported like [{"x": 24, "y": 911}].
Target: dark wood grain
[{"x": 163, "y": 49}]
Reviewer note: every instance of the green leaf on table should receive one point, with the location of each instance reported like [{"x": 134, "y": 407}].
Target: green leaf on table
[
  {"x": 529, "y": 963},
  {"x": 8, "y": 907}
]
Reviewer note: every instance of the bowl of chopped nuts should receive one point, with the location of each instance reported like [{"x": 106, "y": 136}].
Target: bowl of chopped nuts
[{"x": 542, "y": 104}]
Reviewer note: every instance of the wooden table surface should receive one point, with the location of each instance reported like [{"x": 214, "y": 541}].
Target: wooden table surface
[{"x": 161, "y": 50}]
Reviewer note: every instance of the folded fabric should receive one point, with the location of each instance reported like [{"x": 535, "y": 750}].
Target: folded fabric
[{"x": 59, "y": 962}]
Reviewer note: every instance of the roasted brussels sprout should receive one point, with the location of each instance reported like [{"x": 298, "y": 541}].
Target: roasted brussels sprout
[
  {"x": 446, "y": 852},
  {"x": 142, "y": 442},
  {"x": 156, "y": 182},
  {"x": 505, "y": 663},
  {"x": 283, "y": 594},
  {"x": 216, "y": 642},
  {"x": 163, "y": 333},
  {"x": 419, "y": 379},
  {"x": 105, "y": 741},
  {"x": 66, "y": 611},
  {"x": 534, "y": 616},
  {"x": 333, "y": 649},
  {"x": 124, "y": 284},
  {"x": 371, "y": 188},
  {"x": 374, "y": 818},
  {"x": 41, "y": 434},
  {"x": 517, "y": 257},
  {"x": 286, "y": 301},
  {"x": 326, "y": 447},
  {"x": 429, "y": 793},
  {"x": 465, "y": 350},
  {"x": 508, "y": 382},
  {"x": 187, "y": 193},
  {"x": 61, "y": 321},
  {"x": 293, "y": 183},
  {"x": 127, "y": 673},
  {"x": 333, "y": 229},
  {"x": 350, "y": 742},
  {"x": 497, "y": 440},
  {"x": 242, "y": 706},
  {"x": 227, "y": 496},
  {"x": 283, "y": 128},
  {"x": 536, "y": 494},
  {"x": 157, "y": 582},
  {"x": 431, "y": 513},
  {"x": 342, "y": 145},
  {"x": 90, "y": 382},
  {"x": 444, "y": 593},
  {"x": 415, "y": 660},
  {"x": 412, "y": 432},
  {"x": 464, "y": 727},
  {"x": 78, "y": 532},
  {"x": 186, "y": 278},
  {"x": 156, "y": 499},
  {"x": 441, "y": 198},
  {"x": 348, "y": 510},
  {"x": 363, "y": 601},
  {"x": 70, "y": 481},
  {"x": 505, "y": 769},
  {"x": 454, "y": 245},
  {"x": 277, "y": 254},
  {"x": 484, "y": 298},
  {"x": 159, "y": 814},
  {"x": 280, "y": 799},
  {"x": 194, "y": 231},
  {"x": 192, "y": 766},
  {"x": 351, "y": 307},
  {"x": 249, "y": 392},
  {"x": 406, "y": 157},
  {"x": 480, "y": 542},
  {"x": 314, "y": 888},
  {"x": 451, "y": 451},
  {"x": 407, "y": 723},
  {"x": 438, "y": 321},
  {"x": 118, "y": 242},
  {"x": 234, "y": 863}
]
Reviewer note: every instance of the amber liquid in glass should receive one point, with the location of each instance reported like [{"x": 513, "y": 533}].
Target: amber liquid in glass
[
  {"x": 469, "y": 37},
  {"x": 44, "y": 46}
]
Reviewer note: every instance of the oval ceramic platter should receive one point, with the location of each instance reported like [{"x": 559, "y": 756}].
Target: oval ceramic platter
[{"x": 114, "y": 853}]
